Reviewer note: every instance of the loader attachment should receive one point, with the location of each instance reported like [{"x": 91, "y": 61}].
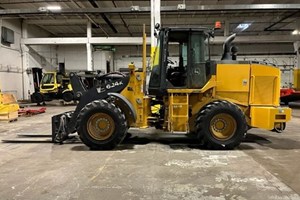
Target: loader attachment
[
  {"x": 59, "y": 127},
  {"x": 66, "y": 123}
]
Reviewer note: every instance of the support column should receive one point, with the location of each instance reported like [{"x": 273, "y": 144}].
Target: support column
[
  {"x": 89, "y": 47},
  {"x": 155, "y": 18},
  {"x": 27, "y": 79}
]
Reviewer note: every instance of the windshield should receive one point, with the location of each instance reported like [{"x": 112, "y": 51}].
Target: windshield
[
  {"x": 200, "y": 47},
  {"x": 48, "y": 79}
]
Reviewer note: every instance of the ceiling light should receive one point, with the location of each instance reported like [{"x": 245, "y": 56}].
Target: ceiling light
[
  {"x": 295, "y": 32},
  {"x": 243, "y": 26},
  {"x": 54, "y": 8}
]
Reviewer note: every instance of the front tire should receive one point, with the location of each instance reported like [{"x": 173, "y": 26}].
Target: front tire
[
  {"x": 37, "y": 97},
  {"x": 221, "y": 125},
  {"x": 101, "y": 125}
]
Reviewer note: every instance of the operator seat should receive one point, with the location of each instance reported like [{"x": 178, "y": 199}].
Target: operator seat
[{"x": 177, "y": 75}]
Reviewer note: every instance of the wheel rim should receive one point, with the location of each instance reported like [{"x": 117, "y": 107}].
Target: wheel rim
[
  {"x": 100, "y": 126},
  {"x": 223, "y": 126}
]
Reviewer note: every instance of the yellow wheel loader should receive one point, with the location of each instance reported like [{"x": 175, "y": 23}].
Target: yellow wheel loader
[{"x": 216, "y": 101}]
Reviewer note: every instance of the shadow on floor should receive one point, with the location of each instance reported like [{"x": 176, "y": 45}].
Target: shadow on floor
[
  {"x": 251, "y": 142},
  {"x": 295, "y": 104},
  {"x": 174, "y": 141},
  {"x": 269, "y": 141}
]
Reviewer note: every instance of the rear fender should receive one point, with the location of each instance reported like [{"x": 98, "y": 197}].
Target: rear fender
[{"x": 125, "y": 106}]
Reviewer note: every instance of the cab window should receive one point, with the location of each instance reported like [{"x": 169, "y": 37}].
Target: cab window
[{"x": 48, "y": 79}]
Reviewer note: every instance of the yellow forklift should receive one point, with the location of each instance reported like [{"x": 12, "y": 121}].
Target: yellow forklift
[
  {"x": 53, "y": 85},
  {"x": 216, "y": 101}
]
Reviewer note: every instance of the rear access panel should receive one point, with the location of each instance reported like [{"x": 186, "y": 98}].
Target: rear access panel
[{"x": 264, "y": 85}]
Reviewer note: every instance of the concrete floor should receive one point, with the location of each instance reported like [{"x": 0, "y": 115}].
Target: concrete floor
[{"x": 265, "y": 166}]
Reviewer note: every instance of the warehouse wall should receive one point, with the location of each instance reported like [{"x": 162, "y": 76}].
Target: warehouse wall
[
  {"x": 13, "y": 75},
  {"x": 125, "y": 55},
  {"x": 42, "y": 56},
  {"x": 38, "y": 56},
  {"x": 10, "y": 61},
  {"x": 75, "y": 58}
]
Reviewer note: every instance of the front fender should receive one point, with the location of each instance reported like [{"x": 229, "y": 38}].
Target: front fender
[{"x": 125, "y": 106}]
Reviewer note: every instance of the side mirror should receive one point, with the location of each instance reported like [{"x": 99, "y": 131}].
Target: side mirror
[
  {"x": 157, "y": 26},
  {"x": 156, "y": 30}
]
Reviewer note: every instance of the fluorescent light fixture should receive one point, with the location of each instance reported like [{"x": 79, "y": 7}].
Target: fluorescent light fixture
[
  {"x": 53, "y": 8},
  {"x": 295, "y": 32},
  {"x": 243, "y": 26}
]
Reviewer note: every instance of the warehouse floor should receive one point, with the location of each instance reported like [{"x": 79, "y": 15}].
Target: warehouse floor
[{"x": 265, "y": 166}]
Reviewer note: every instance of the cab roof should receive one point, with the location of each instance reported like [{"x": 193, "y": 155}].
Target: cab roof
[{"x": 190, "y": 28}]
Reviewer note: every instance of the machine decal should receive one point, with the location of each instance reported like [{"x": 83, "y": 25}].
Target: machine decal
[{"x": 112, "y": 85}]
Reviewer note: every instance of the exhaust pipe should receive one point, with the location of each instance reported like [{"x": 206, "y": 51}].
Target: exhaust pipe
[{"x": 227, "y": 46}]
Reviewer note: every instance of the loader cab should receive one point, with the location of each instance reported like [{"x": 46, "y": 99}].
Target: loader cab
[{"x": 181, "y": 60}]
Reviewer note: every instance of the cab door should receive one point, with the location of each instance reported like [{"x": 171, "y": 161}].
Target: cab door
[{"x": 198, "y": 59}]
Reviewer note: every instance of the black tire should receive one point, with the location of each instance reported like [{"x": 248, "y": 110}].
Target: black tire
[
  {"x": 92, "y": 137},
  {"x": 68, "y": 96},
  {"x": 37, "y": 97},
  {"x": 228, "y": 114},
  {"x": 279, "y": 127}
]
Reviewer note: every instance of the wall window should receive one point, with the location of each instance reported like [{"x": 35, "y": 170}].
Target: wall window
[{"x": 7, "y": 36}]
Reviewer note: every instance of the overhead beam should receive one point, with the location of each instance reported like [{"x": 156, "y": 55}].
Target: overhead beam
[
  {"x": 138, "y": 9},
  {"x": 104, "y": 17},
  {"x": 93, "y": 40},
  {"x": 138, "y": 40},
  {"x": 122, "y": 19},
  {"x": 269, "y": 28},
  {"x": 95, "y": 24},
  {"x": 259, "y": 39},
  {"x": 56, "y": 40},
  {"x": 66, "y": 22}
]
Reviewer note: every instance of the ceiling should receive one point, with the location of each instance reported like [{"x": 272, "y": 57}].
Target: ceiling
[{"x": 262, "y": 22}]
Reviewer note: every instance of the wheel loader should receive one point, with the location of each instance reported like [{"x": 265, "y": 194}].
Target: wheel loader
[{"x": 216, "y": 101}]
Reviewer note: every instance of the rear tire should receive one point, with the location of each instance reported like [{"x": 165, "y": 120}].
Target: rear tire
[
  {"x": 221, "y": 125},
  {"x": 279, "y": 127},
  {"x": 101, "y": 125},
  {"x": 67, "y": 96}
]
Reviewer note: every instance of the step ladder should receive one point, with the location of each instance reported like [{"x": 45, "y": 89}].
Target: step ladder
[{"x": 178, "y": 119}]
